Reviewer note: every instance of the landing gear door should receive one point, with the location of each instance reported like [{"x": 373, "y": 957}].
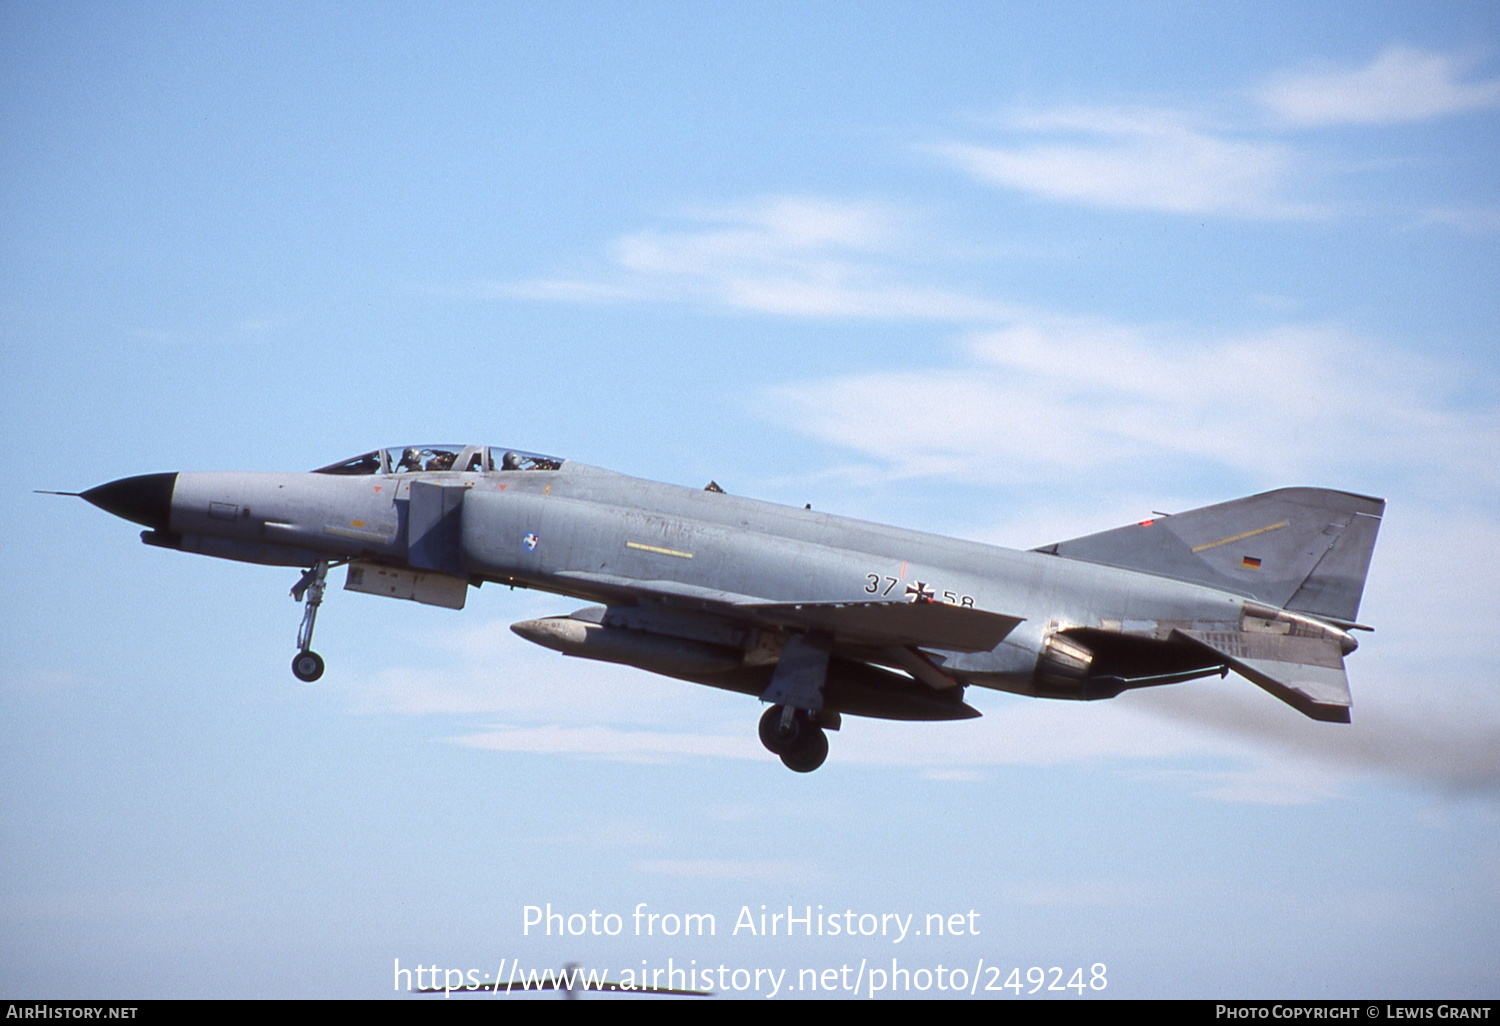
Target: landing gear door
[{"x": 433, "y": 528}]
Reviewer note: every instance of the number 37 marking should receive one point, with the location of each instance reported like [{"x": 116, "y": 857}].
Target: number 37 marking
[{"x": 875, "y": 584}]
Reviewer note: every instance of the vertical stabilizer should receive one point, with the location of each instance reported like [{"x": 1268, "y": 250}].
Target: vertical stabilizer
[{"x": 1303, "y": 549}]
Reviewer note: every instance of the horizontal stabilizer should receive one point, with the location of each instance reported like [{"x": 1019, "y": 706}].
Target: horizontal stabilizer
[
  {"x": 1305, "y": 673},
  {"x": 913, "y": 624}
]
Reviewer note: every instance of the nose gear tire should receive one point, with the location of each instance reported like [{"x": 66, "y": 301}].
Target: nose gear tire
[{"x": 307, "y": 666}]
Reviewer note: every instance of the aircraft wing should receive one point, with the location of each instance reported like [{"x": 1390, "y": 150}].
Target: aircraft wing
[
  {"x": 1305, "y": 673},
  {"x": 905, "y": 624},
  {"x": 878, "y": 624}
]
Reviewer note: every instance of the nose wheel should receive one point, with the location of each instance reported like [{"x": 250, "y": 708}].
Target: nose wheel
[
  {"x": 791, "y": 734},
  {"x": 307, "y": 665}
]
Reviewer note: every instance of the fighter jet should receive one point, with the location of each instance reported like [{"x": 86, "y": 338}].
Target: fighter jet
[{"x": 816, "y": 615}]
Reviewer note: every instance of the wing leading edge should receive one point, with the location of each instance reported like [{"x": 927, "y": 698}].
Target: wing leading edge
[{"x": 879, "y": 624}]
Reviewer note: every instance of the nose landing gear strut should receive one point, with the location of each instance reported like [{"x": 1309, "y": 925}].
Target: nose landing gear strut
[{"x": 307, "y": 665}]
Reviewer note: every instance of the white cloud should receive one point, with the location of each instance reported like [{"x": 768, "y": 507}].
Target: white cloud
[
  {"x": 1014, "y": 732},
  {"x": 796, "y": 256},
  {"x": 1051, "y": 398},
  {"x": 1136, "y": 160},
  {"x": 1465, "y": 220},
  {"x": 1258, "y": 780},
  {"x": 614, "y": 744},
  {"x": 1403, "y": 84},
  {"x": 43, "y": 681},
  {"x": 473, "y": 669},
  {"x": 1174, "y": 162}
]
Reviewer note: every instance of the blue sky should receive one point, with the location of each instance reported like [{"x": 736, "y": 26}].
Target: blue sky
[{"x": 1009, "y": 272}]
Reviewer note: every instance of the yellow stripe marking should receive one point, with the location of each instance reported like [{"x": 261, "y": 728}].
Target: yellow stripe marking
[
  {"x": 361, "y": 533},
  {"x": 653, "y": 548},
  {"x": 1241, "y": 537}
]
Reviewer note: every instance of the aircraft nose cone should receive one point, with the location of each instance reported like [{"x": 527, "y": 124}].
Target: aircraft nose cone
[{"x": 145, "y": 499}]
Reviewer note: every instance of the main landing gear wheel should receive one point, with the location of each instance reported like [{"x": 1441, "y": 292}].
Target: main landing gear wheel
[
  {"x": 307, "y": 666},
  {"x": 792, "y": 735},
  {"x": 811, "y": 754},
  {"x": 781, "y": 733}
]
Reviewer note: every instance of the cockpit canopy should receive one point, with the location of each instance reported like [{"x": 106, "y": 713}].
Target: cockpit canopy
[{"x": 472, "y": 459}]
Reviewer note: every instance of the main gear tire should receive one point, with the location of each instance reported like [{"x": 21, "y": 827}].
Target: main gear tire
[
  {"x": 809, "y": 755},
  {"x": 779, "y": 738}
]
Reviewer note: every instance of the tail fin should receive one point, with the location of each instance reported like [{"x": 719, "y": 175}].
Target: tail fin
[{"x": 1303, "y": 549}]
